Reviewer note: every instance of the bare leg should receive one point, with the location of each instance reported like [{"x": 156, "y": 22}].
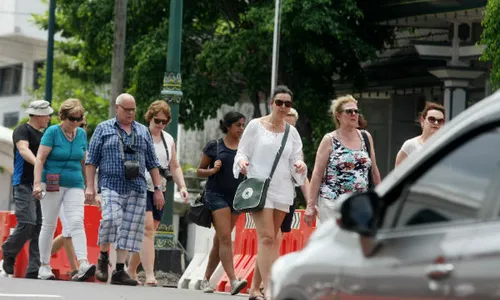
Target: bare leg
[
  {"x": 267, "y": 222},
  {"x": 257, "y": 278},
  {"x": 57, "y": 244},
  {"x": 70, "y": 253},
  {"x": 214, "y": 257}
]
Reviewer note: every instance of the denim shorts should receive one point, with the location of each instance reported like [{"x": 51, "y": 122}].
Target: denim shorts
[{"x": 217, "y": 201}]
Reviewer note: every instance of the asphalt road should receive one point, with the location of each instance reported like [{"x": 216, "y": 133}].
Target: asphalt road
[{"x": 29, "y": 289}]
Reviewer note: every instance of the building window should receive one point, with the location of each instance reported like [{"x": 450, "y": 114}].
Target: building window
[
  {"x": 10, "y": 119},
  {"x": 10, "y": 80},
  {"x": 37, "y": 67}
]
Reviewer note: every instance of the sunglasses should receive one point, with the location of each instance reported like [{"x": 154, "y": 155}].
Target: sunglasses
[
  {"x": 351, "y": 111},
  {"x": 434, "y": 120},
  {"x": 158, "y": 121},
  {"x": 73, "y": 119},
  {"x": 281, "y": 102}
]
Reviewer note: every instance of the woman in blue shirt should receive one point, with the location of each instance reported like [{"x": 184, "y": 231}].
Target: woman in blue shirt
[{"x": 59, "y": 177}]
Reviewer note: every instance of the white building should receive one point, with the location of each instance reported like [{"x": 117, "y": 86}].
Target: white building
[{"x": 23, "y": 50}]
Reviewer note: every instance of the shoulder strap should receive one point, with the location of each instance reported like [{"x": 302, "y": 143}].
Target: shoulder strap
[
  {"x": 280, "y": 151},
  {"x": 367, "y": 142},
  {"x": 165, "y": 145}
]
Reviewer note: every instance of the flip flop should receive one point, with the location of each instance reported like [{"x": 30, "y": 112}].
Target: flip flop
[{"x": 256, "y": 298}]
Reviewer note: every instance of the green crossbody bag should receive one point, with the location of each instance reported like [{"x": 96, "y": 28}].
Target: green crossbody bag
[{"x": 251, "y": 193}]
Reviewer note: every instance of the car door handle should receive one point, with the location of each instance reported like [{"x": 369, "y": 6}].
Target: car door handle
[{"x": 439, "y": 271}]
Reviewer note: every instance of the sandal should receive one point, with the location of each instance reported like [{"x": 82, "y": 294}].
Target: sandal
[{"x": 257, "y": 298}]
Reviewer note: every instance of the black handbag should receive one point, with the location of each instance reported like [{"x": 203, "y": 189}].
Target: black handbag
[{"x": 199, "y": 212}]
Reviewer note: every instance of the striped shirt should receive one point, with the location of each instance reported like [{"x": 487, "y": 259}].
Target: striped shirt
[{"x": 105, "y": 154}]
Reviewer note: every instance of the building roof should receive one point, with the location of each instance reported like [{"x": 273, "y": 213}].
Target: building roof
[{"x": 396, "y": 9}]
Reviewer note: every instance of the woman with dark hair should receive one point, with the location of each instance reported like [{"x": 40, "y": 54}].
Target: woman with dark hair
[
  {"x": 431, "y": 120},
  {"x": 217, "y": 164}
]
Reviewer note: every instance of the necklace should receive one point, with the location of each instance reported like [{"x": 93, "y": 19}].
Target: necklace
[{"x": 69, "y": 135}]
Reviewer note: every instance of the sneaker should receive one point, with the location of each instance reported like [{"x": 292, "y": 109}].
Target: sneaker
[
  {"x": 45, "y": 273},
  {"x": 8, "y": 265},
  {"x": 237, "y": 286},
  {"x": 102, "y": 272},
  {"x": 85, "y": 271},
  {"x": 122, "y": 278},
  {"x": 205, "y": 287},
  {"x": 31, "y": 275}
]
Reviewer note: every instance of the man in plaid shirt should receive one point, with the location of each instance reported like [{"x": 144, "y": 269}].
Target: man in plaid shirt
[{"x": 115, "y": 143}]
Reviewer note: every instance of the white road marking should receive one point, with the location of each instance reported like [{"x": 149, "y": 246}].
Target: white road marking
[{"x": 29, "y": 296}]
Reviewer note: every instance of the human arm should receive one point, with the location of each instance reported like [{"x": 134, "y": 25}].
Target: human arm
[
  {"x": 41, "y": 158},
  {"x": 246, "y": 148},
  {"x": 207, "y": 155},
  {"x": 177, "y": 175},
  {"x": 375, "y": 171},
  {"x": 297, "y": 164},
  {"x": 400, "y": 157},
  {"x": 322, "y": 155}
]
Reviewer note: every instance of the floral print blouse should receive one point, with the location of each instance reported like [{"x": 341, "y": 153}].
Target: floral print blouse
[{"x": 346, "y": 171}]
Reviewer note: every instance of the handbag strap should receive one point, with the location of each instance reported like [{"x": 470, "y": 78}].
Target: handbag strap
[
  {"x": 367, "y": 142},
  {"x": 120, "y": 140},
  {"x": 280, "y": 151},
  {"x": 165, "y": 145}
]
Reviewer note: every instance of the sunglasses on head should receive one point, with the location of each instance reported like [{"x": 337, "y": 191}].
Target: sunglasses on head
[
  {"x": 158, "y": 121},
  {"x": 434, "y": 120},
  {"x": 77, "y": 119},
  {"x": 351, "y": 111},
  {"x": 279, "y": 102}
]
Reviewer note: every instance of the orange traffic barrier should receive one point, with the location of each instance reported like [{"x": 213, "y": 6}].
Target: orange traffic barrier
[
  {"x": 59, "y": 261},
  {"x": 245, "y": 247}
]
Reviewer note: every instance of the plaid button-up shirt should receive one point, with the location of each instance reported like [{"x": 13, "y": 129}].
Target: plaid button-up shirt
[{"x": 104, "y": 153}]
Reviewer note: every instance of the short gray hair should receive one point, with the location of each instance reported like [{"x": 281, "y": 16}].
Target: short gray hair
[
  {"x": 122, "y": 97},
  {"x": 293, "y": 112}
]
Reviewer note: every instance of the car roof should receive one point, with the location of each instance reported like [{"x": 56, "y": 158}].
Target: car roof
[{"x": 485, "y": 111}]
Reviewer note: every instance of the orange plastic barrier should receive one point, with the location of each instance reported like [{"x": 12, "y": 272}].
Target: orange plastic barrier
[
  {"x": 59, "y": 261},
  {"x": 245, "y": 247}
]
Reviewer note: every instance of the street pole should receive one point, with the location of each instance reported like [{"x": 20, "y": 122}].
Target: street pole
[
  {"x": 168, "y": 254},
  {"x": 50, "y": 52},
  {"x": 118, "y": 60},
  {"x": 276, "y": 46}
]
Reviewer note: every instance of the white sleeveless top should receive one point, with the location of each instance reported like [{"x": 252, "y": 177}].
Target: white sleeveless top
[{"x": 162, "y": 157}]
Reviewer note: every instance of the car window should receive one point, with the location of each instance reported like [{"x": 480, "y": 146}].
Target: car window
[{"x": 455, "y": 187}]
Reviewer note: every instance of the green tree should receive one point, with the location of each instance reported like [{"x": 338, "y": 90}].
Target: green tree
[
  {"x": 227, "y": 51},
  {"x": 491, "y": 39},
  {"x": 66, "y": 86}
]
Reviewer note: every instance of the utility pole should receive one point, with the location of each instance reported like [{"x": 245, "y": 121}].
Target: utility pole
[
  {"x": 168, "y": 255},
  {"x": 276, "y": 46},
  {"x": 118, "y": 63},
  {"x": 50, "y": 52}
]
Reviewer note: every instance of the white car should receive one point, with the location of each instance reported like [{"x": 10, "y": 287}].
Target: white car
[{"x": 430, "y": 230}]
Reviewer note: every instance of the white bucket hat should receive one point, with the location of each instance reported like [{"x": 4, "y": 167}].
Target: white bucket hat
[{"x": 39, "y": 108}]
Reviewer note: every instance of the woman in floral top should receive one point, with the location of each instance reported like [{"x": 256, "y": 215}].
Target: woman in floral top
[{"x": 342, "y": 161}]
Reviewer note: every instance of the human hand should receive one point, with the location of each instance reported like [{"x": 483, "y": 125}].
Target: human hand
[
  {"x": 300, "y": 167},
  {"x": 243, "y": 164},
  {"x": 184, "y": 194},
  {"x": 158, "y": 199},
  {"x": 217, "y": 166},
  {"x": 37, "y": 191},
  {"x": 89, "y": 195},
  {"x": 310, "y": 213}
]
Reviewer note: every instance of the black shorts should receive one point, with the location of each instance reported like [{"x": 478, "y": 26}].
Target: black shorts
[
  {"x": 286, "y": 226},
  {"x": 150, "y": 206}
]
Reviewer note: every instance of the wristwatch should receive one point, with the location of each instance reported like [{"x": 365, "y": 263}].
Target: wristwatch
[{"x": 159, "y": 187}]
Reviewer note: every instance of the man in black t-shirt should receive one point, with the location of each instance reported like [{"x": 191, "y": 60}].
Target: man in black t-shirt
[{"x": 26, "y": 138}]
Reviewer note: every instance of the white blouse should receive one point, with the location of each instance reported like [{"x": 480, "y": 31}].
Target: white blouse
[
  {"x": 259, "y": 147},
  {"x": 162, "y": 157}
]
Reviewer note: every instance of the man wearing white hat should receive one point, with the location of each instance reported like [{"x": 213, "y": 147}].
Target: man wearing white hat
[{"x": 26, "y": 138}]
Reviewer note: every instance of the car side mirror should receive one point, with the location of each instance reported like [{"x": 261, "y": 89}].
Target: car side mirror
[{"x": 360, "y": 213}]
